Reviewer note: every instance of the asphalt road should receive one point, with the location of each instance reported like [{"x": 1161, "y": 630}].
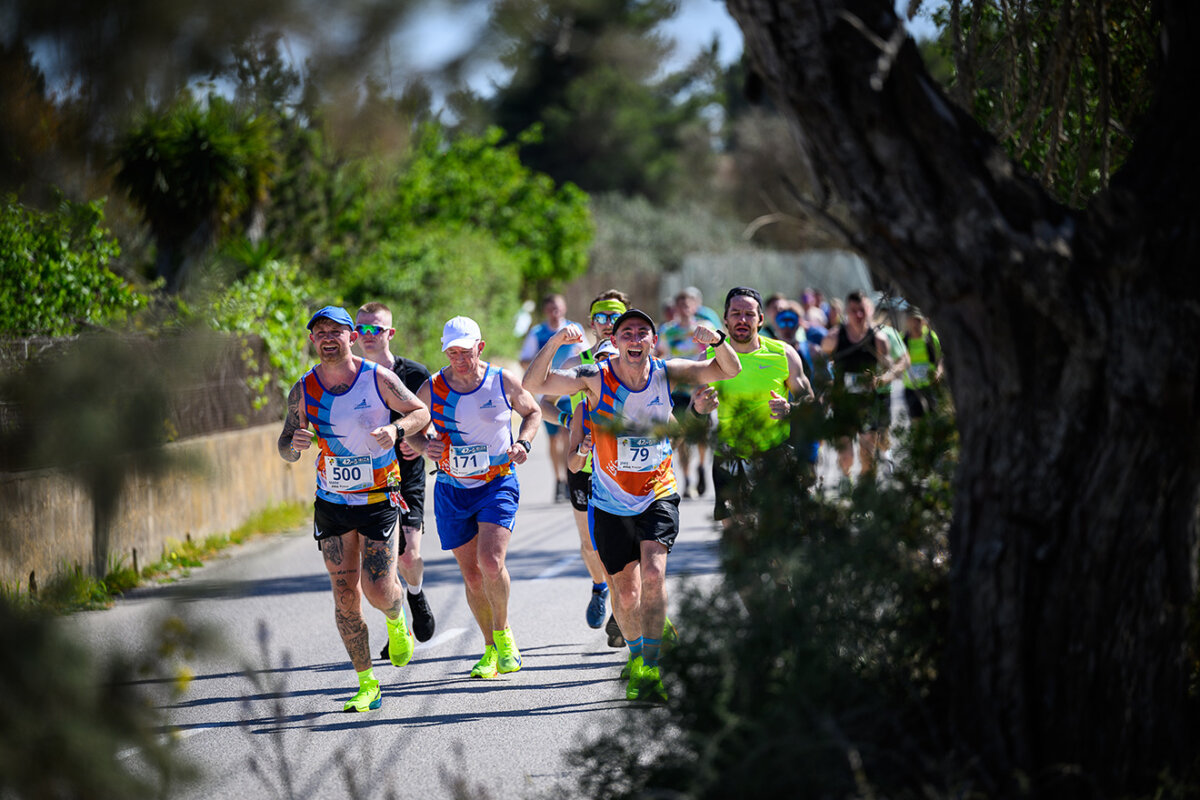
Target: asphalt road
[{"x": 262, "y": 716}]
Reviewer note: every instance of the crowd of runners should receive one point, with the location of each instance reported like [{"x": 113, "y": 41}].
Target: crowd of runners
[{"x": 615, "y": 400}]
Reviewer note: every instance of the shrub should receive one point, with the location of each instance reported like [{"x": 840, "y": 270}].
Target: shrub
[
  {"x": 59, "y": 261},
  {"x": 815, "y": 662},
  {"x": 432, "y": 275}
]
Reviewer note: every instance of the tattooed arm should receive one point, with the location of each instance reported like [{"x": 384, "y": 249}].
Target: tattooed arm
[
  {"x": 295, "y": 438},
  {"x": 414, "y": 413},
  {"x": 401, "y": 400}
]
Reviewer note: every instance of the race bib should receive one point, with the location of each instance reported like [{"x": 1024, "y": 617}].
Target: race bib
[
  {"x": 919, "y": 372},
  {"x": 638, "y": 453},
  {"x": 349, "y": 473},
  {"x": 857, "y": 382},
  {"x": 468, "y": 460}
]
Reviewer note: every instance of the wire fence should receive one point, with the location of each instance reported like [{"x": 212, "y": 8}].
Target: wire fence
[{"x": 226, "y": 385}]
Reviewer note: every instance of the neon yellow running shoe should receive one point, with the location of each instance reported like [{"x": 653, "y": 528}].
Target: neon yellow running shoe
[
  {"x": 636, "y": 668},
  {"x": 368, "y": 698},
  {"x": 486, "y": 666},
  {"x": 634, "y": 662},
  {"x": 670, "y": 636},
  {"x": 508, "y": 656},
  {"x": 646, "y": 685},
  {"x": 400, "y": 641}
]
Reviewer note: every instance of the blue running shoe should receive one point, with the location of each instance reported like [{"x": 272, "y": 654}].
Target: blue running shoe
[{"x": 597, "y": 608}]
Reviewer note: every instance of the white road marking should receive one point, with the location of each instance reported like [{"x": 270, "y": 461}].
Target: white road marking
[{"x": 559, "y": 567}]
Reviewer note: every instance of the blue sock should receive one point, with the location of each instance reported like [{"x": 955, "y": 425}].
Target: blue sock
[
  {"x": 635, "y": 646},
  {"x": 650, "y": 649},
  {"x": 597, "y": 588}
]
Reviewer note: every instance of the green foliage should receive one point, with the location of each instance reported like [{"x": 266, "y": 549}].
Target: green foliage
[
  {"x": 1061, "y": 83},
  {"x": 476, "y": 184},
  {"x": 433, "y": 274},
  {"x": 816, "y": 662},
  {"x": 54, "y": 267},
  {"x": 587, "y": 74},
  {"x": 195, "y": 170},
  {"x": 273, "y": 302}
]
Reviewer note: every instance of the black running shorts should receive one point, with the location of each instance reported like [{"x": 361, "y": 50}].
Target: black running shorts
[
  {"x": 412, "y": 489},
  {"x": 619, "y": 539},
  {"x": 375, "y": 521},
  {"x": 579, "y": 487}
]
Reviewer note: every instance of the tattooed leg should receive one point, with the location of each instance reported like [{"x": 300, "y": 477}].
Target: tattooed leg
[
  {"x": 379, "y": 581},
  {"x": 342, "y": 562}
]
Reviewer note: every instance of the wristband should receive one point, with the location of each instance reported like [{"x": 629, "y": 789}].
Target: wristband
[
  {"x": 525, "y": 443},
  {"x": 579, "y": 452},
  {"x": 564, "y": 419},
  {"x": 720, "y": 341},
  {"x": 697, "y": 413}
]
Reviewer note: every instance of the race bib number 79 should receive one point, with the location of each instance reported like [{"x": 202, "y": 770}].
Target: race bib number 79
[{"x": 638, "y": 453}]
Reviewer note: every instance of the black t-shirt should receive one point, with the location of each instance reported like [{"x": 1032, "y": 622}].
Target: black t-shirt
[{"x": 412, "y": 374}]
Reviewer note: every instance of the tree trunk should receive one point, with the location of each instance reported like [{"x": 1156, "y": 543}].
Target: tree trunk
[{"x": 1070, "y": 340}]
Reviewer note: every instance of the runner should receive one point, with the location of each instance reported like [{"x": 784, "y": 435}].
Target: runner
[
  {"x": 753, "y": 410},
  {"x": 373, "y": 324},
  {"x": 860, "y": 365},
  {"x": 634, "y": 497},
  {"x": 606, "y": 307},
  {"x": 925, "y": 365},
  {"x": 554, "y": 310},
  {"x": 349, "y": 401},
  {"x": 476, "y": 492}
]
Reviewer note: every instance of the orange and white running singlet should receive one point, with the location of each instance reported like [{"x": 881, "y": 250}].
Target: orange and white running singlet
[
  {"x": 631, "y": 460},
  {"x": 352, "y": 469},
  {"x": 476, "y": 427}
]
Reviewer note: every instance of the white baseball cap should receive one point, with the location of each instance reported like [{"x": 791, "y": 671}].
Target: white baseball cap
[{"x": 460, "y": 332}]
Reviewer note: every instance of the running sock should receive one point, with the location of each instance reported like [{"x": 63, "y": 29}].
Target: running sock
[
  {"x": 650, "y": 648},
  {"x": 635, "y": 646},
  {"x": 366, "y": 675},
  {"x": 597, "y": 588}
]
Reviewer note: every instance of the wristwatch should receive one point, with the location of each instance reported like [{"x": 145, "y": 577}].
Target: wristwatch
[
  {"x": 525, "y": 443},
  {"x": 720, "y": 341}
]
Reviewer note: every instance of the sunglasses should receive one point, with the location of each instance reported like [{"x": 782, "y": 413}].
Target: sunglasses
[
  {"x": 370, "y": 330},
  {"x": 601, "y": 318}
]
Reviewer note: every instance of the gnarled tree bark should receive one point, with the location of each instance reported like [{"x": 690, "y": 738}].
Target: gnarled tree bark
[{"x": 1070, "y": 338}]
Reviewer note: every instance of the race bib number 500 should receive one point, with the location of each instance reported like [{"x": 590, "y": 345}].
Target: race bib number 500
[
  {"x": 349, "y": 473},
  {"x": 468, "y": 460},
  {"x": 638, "y": 453}
]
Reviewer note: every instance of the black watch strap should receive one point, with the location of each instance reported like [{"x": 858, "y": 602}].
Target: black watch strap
[
  {"x": 720, "y": 341},
  {"x": 526, "y": 444}
]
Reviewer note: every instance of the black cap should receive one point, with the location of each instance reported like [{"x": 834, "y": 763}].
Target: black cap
[
  {"x": 743, "y": 291},
  {"x": 633, "y": 313}
]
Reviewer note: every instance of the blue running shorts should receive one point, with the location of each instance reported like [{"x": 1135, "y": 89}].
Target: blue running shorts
[{"x": 459, "y": 511}]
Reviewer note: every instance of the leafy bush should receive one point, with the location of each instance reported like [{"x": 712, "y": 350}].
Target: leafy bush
[
  {"x": 274, "y": 302},
  {"x": 54, "y": 269},
  {"x": 433, "y": 274},
  {"x": 473, "y": 183},
  {"x": 815, "y": 663}
]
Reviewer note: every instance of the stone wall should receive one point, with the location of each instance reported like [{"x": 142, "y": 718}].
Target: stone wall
[{"x": 46, "y": 520}]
